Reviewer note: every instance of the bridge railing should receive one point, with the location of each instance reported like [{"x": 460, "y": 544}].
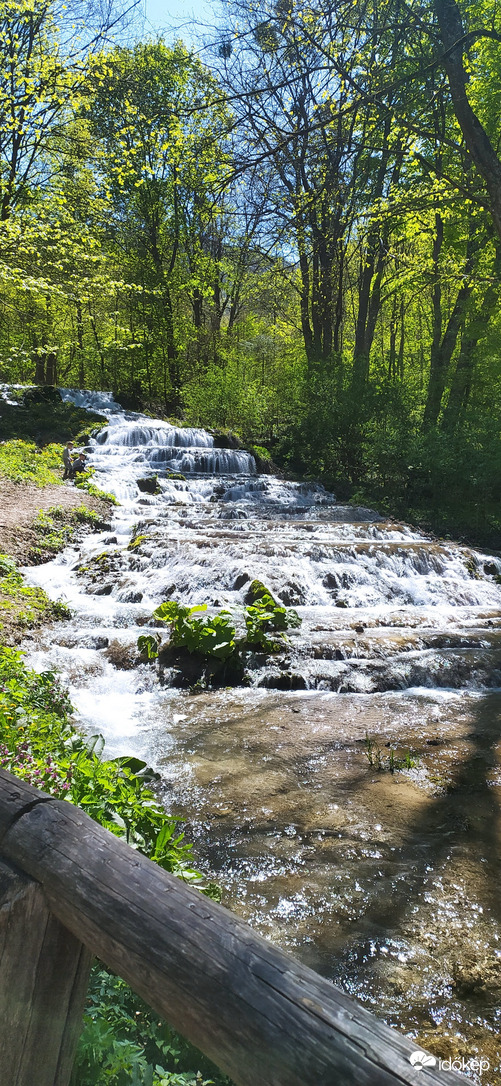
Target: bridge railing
[{"x": 70, "y": 890}]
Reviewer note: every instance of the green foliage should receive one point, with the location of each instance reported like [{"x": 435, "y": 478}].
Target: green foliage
[
  {"x": 84, "y": 515},
  {"x": 55, "y": 528},
  {"x": 84, "y": 483},
  {"x": 148, "y": 646},
  {"x": 214, "y": 637},
  {"x": 124, "y": 1043},
  {"x": 24, "y": 462},
  {"x": 39, "y": 743},
  {"x": 265, "y": 615}
]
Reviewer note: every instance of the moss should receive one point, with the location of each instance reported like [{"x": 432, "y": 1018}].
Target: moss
[
  {"x": 136, "y": 542},
  {"x": 85, "y": 483}
]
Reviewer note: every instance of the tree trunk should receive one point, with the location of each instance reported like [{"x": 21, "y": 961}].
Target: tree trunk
[
  {"x": 476, "y": 329},
  {"x": 475, "y": 136}
]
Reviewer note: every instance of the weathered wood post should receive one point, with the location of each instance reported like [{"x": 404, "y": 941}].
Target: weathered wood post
[
  {"x": 44, "y": 972},
  {"x": 262, "y": 1016}
]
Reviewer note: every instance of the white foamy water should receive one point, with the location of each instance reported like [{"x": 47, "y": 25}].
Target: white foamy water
[{"x": 383, "y": 606}]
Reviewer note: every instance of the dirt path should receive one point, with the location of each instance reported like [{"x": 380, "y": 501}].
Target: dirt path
[{"x": 19, "y": 505}]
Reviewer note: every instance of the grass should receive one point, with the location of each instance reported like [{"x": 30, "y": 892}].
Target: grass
[
  {"x": 377, "y": 759},
  {"x": 23, "y": 606}
]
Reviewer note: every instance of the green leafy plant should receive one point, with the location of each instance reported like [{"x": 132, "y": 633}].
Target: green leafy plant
[
  {"x": 148, "y": 646},
  {"x": 216, "y": 637},
  {"x": 213, "y": 637},
  {"x": 123, "y": 1042},
  {"x": 39, "y": 743},
  {"x": 24, "y": 462},
  {"x": 265, "y": 615}
]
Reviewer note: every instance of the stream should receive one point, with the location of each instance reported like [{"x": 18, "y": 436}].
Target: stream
[{"x": 347, "y": 797}]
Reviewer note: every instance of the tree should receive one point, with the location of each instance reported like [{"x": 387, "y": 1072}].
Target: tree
[
  {"x": 150, "y": 106},
  {"x": 44, "y": 46}
]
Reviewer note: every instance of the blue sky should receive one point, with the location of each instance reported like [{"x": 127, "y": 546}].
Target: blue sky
[{"x": 177, "y": 18}]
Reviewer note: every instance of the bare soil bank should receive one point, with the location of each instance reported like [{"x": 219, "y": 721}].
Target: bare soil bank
[{"x": 19, "y": 505}]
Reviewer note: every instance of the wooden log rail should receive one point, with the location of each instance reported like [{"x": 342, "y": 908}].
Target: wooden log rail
[{"x": 69, "y": 889}]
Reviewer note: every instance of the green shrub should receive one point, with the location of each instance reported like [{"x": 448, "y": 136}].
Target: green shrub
[{"x": 124, "y": 1042}]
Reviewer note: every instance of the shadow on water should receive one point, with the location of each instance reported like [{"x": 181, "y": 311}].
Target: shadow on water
[
  {"x": 427, "y": 954},
  {"x": 466, "y": 814}
]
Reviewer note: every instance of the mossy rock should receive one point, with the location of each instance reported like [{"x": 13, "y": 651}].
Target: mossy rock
[{"x": 258, "y": 591}]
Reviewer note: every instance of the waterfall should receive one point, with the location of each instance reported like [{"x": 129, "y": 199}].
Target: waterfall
[{"x": 331, "y": 793}]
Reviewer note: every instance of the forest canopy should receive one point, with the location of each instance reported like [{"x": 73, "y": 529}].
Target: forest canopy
[{"x": 293, "y": 232}]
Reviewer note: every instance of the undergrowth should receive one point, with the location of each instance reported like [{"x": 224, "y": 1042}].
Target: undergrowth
[
  {"x": 24, "y": 462},
  {"x": 123, "y": 1043}
]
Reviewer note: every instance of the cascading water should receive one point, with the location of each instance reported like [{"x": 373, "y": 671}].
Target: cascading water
[{"x": 347, "y": 796}]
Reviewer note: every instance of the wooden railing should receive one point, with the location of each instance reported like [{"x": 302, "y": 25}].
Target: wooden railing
[{"x": 70, "y": 890}]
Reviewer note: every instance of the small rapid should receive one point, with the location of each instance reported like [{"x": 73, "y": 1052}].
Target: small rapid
[{"x": 346, "y": 793}]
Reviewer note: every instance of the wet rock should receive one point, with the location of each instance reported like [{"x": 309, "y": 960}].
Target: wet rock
[
  {"x": 102, "y": 590},
  {"x": 123, "y": 657},
  {"x": 167, "y": 593},
  {"x": 227, "y": 441},
  {"x": 283, "y": 680},
  {"x": 233, "y": 514},
  {"x": 148, "y": 485},
  {"x": 97, "y": 642},
  {"x": 110, "y": 539},
  {"x": 341, "y": 603},
  {"x": 292, "y": 594},
  {"x": 240, "y": 581},
  {"x": 131, "y": 597},
  {"x": 477, "y": 977},
  {"x": 330, "y": 581},
  {"x": 187, "y": 670},
  {"x": 491, "y": 568}
]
